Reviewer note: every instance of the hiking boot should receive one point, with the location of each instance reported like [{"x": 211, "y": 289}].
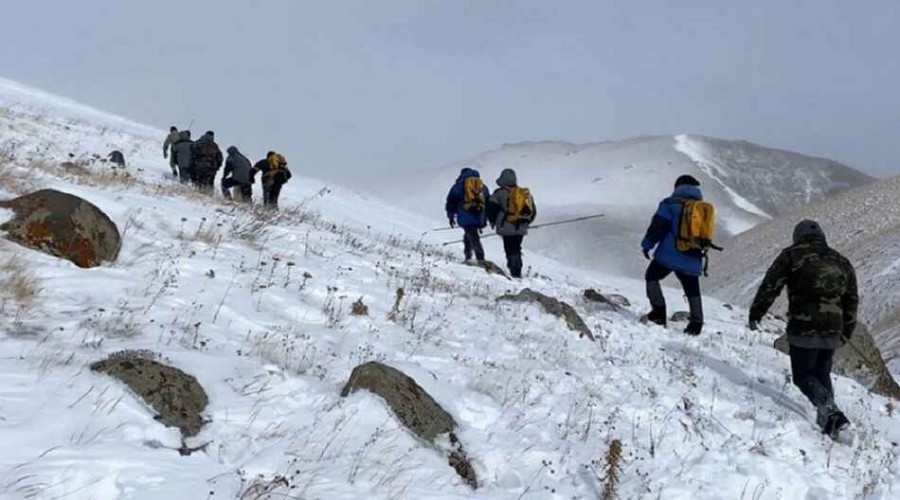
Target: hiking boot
[
  {"x": 657, "y": 315},
  {"x": 693, "y": 328},
  {"x": 834, "y": 423}
]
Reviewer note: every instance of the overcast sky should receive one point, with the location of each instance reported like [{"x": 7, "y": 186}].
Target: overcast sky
[{"x": 379, "y": 85}]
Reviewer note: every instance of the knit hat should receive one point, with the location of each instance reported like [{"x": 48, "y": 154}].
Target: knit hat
[
  {"x": 807, "y": 228},
  {"x": 689, "y": 180}
]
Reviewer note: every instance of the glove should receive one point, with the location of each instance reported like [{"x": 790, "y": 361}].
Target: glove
[
  {"x": 753, "y": 325},
  {"x": 452, "y": 222},
  {"x": 646, "y": 253}
]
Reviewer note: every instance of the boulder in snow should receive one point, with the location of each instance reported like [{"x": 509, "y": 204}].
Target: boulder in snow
[
  {"x": 62, "y": 225},
  {"x": 612, "y": 301},
  {"x": 177, "y": 397},
  {"x": 414, "y": 407},
  {"x": 489, "y": 267},
  {"x": 554, "y": 307}
]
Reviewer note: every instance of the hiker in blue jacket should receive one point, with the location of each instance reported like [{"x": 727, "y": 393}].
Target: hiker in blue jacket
[
  {"x": 687, "y": 266},
  {"x": 466, "y": 210}
]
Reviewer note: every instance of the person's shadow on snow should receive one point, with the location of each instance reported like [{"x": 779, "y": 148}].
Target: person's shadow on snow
[{"x": 737, "y": 376}]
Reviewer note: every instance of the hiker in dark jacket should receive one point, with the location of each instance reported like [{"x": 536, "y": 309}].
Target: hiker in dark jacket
[
  {"x": 467, "y": 211},
  {"x": 181, "y": 155},
  {"x": 206, "y": 160},
  {"x": 687, "y": 266},
  {"x": 822, "y": 305},
  {"x": 170, "y": 141},
  {"x": 498, "y": 216},
  {"x": 275, "y": 174},
  {"x": 238, "y": 173}
]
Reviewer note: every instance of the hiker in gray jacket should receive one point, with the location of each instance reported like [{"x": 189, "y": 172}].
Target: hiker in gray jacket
[
  {"x": 238, "y": 173},
  {"x": 510, "y": 211},
  {"x": 170, "y": 141},
  {"x": 181, "y": 155}
]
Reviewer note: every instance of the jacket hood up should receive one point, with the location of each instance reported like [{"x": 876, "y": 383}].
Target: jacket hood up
[{"x": 507, "y": 178}]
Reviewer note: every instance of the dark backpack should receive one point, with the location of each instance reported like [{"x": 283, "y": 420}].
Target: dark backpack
[{"x": 206, "y": 154}]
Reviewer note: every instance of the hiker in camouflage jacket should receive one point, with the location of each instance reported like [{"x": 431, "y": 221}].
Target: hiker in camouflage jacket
[{"x": 823, "y": 300}]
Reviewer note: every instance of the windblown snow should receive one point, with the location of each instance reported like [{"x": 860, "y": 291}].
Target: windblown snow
[{"x": 256, "y": 306}]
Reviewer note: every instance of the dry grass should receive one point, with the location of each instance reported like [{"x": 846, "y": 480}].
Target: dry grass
[{"x": 17, "y": 285}]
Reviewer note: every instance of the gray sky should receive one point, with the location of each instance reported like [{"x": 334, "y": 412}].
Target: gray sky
[{"x": 350, "y": 87}]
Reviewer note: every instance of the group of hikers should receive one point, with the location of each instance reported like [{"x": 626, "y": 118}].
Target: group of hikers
[
  {"x": 198, "y": 162},
  {"x": 509, "y": 210},
  {"x": 821, "y": 283}
]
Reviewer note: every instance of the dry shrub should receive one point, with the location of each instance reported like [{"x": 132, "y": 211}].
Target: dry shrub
[
  {"x": 613, "y": 468},
  {"x": 359, "y": 308}
]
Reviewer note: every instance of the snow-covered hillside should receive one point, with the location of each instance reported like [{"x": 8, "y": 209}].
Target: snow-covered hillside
[
  {"x": 863, "y": 223},
  {"x": 256, "y": 306},
  {"x": 625, "y": 180}
]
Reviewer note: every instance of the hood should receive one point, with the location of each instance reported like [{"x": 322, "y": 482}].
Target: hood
[
  {"x": 233, "y": 150},
  {"x": 467, "y": 173},
  {"x": 184, "y": 135},
  {"x": 808, "y": 230},
  {"x": 688, "y": 191},
  {"x": 207, "y": 137},
  {"x": 507, "y": 178}
]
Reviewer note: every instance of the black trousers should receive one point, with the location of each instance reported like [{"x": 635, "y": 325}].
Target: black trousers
[
  {"x": 512, "y": 246},
  {"x": 658, "y": 272},
  {"x": 206, "y": 180},
  {"x": 246, "y": 189},
  {"x": 271, "y": 192},
  {"x": 472, "y": 243},
  {"x": 811, "y": 369}
]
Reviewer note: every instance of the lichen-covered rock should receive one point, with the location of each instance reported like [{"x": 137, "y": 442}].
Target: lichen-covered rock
[
  {"x": 415, "y": 409},
  {"x": 861, "y": 361},
  {"x": 613, "y": 301},
  {"x": 62, "y": 225},
  {"x": 554, "y": 307},
  {"x": 177, "y": 398}
]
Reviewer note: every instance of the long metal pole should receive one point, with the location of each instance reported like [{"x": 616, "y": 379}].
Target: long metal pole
[{"x": 538, "y": 226}]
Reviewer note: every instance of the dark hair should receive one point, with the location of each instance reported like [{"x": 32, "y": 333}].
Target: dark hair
[
  {"x": 210, "y": 133},
  {"x": 173, "y": 128}
]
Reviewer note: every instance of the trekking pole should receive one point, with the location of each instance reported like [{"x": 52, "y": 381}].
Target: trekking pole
[
  {"x": 190, "y": 124},
  {"x": 538, "y": 226}
]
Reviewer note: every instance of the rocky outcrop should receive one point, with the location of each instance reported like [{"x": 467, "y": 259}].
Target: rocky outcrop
[
  {"x": 62, "y": 225},
  {"x": 415, "y": 409},
  {"x": 554, "y": 307},
  {"x": 177, "y": 397},
  {"x": 611, "y": 301},
  {"x": 861, "y": 361}
]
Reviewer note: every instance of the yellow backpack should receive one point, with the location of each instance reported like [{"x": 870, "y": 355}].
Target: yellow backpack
[
  {"x": 697, "y": 226},
  {"x": 519, "y": 205},
  {"x": 473, "y": 195}
]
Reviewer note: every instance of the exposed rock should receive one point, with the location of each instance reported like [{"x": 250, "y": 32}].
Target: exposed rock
[
  {"x": 861, "y": 361},
  {"x": 681, "y": 316},
  {"x": 177, "y": 397},
  {"x": 414, "y": 407},
  {"x": 554, "y": 307},
  {"x": 117, "y": 157},
  {"x": 489, "y": 267},
  {"x": 614, "y": 301},
  {"x": 62, "y": 225}
]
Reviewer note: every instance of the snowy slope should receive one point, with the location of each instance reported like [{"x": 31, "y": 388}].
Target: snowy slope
[
  {"x": 268, "y": 334},
  {"x": 626, "y": 180},
  {"x": 864, "y": 224}
]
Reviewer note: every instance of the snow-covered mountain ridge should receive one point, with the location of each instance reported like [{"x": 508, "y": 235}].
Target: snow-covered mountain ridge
[
  {"x": 626, "y": 180},
  {"x": 255, "y": 305}
]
